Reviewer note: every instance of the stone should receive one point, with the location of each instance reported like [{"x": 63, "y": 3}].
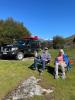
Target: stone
[{"x": 28, "y": 89}]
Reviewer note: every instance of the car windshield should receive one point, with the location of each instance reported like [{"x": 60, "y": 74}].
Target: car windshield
[{"x": 22, "y": 42}]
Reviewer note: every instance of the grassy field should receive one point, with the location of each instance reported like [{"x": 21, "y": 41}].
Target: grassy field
[{"x": 12, "y": 72}]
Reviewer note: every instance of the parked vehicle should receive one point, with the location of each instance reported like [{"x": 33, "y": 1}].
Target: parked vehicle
[{"x": 21, "y": 47}]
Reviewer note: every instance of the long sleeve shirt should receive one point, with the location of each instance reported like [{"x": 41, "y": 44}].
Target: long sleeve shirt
[{"x": 45, "y": 56}]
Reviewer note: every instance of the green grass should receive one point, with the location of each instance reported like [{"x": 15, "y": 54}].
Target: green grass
[{"x": 12, "y": 72}]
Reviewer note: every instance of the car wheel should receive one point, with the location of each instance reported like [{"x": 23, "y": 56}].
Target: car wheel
[{"x": 19, "y": 56}]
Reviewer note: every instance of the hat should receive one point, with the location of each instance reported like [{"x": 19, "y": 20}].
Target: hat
[{"x": 45, "y": 48}]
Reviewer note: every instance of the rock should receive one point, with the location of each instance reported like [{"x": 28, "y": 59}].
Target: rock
[
  {"x": 27, "y": 89},
  {"x": 45, "y": 91}
]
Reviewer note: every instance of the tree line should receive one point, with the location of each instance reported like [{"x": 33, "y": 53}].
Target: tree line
[
  {"x": 11, "y": 29},
  {"x": 59, "y": 42}
]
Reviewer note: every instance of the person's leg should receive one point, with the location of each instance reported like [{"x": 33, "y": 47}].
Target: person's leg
[
  {"x": 47, "y": 62},
  {"x": 35, "y": 63},
  {"x": 56, "y": 70},
  {"x": 63, "y": 65},
  {"x": 43, "y": 65}
]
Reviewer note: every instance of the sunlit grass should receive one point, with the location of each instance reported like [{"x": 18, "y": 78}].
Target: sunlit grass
[{"x": 12, "y": 72}]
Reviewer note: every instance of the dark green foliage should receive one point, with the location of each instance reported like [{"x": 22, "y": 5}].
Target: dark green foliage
[
  {"x": 46, "y": 43},
  {"x": 10, "y": 29},
  {"x": 58, "y": 42},
  {"x": 43, "y": 44},
  {"x": 74, "y": 40}
]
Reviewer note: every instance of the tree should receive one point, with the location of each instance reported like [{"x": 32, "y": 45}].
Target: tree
[
  {"x": 11, "y": 29},
  {"x": 43, "y": 44},
  {"x": 58, "y": 42},
  {"x": 74, "y": 42}
]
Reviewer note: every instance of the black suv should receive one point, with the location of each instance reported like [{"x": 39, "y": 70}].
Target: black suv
[{"x": 20, "y": 48}]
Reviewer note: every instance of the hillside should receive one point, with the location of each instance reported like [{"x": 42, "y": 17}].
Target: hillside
[{"x": 69, "y": 40}]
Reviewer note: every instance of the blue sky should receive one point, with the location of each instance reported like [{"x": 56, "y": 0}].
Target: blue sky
[{"x": 44, "y": 18}]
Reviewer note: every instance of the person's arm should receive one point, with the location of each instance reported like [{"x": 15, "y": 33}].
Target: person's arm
[
  {"x": 55, "y": 61},
  {"x": 35, "y": 53},
  {"x": 48, "y": 57},
  {"x": 42, "y": 56}
]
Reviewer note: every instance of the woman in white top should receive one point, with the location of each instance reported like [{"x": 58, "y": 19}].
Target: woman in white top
[{"x": 59, "y": 61}]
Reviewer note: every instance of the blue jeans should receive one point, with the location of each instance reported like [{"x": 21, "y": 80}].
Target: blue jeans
[
  {"x": 39, "y": 61},
  {"x": 36, "y": 62},
  {"x": 44, "y": 64}
]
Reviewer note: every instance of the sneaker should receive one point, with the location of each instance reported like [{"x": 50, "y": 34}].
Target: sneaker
[
  {"x": 63, "y": 76},
  {"x": 35, "y": 69},
  {"x": 56, "y": 77},
  {"x": 41, "y": 70}
]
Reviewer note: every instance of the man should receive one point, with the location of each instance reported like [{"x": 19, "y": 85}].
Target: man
[{"x": 44, "y": 59}]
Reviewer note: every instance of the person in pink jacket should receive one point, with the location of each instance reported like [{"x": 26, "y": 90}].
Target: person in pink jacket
[{"x": 60, "y": 62}]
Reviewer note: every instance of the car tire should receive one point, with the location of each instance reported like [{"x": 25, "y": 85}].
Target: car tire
[{"x": 19, "y": 56}]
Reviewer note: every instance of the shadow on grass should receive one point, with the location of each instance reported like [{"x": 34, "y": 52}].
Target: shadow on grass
[
  {"x": 50, "y": 69},
  {"x": 31, "y": 66},
  {"x": 38, "y": 69},
  {"x": 13, "y": 57}
]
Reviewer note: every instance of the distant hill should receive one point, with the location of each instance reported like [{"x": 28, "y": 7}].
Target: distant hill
[{"x": 70, "y": 39}]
